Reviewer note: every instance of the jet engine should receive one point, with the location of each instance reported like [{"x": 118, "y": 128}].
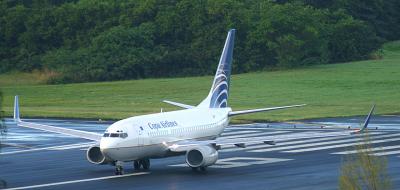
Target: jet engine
[
  {"x": 95, "y": 156},
  {"x": 201, "y": 156}
]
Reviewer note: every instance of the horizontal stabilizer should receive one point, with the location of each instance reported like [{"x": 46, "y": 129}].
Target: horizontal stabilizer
[
  {"x": 178, "y": 104},
  {"x": 234, "y": 113}
]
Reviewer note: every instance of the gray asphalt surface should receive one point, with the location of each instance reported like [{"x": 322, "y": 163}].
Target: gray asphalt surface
[{"x": 300, "y": 163}]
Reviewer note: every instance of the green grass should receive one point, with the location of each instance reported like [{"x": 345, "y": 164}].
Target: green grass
[
  {"x": 18, "y": 78},
  {"x": 329, "y": 90}
]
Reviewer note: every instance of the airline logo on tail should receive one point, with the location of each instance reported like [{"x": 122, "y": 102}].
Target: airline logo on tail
[{"x": 220, "y": 88}]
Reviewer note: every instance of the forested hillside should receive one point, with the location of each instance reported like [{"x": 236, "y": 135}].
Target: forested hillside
[{"x": 85, "y": 40}]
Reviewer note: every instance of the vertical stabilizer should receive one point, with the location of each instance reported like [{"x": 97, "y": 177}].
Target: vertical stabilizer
[
  {"x": 218, "y": 96},
  {"x": 366, "y": 122},
  {"x": 16, "y": 109}
]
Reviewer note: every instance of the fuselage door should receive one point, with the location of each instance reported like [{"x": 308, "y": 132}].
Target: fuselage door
[{"x": 140, "y": 135}]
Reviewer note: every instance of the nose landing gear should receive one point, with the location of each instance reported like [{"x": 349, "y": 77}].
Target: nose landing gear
[
  {"x": 137, "y": 165},
  {"x": 119, "y": 170}
]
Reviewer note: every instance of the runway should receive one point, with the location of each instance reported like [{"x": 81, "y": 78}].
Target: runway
[{"x": 35, "y": 159}]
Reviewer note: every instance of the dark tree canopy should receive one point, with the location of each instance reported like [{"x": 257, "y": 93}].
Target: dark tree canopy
[{"x": 84, "y": 40}]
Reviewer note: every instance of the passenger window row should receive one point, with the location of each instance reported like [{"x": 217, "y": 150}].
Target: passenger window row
[{"x": 180, "y": 130}]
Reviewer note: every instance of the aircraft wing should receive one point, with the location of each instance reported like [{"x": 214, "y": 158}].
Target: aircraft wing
[
  {"x": 49, "y": 128},
  {"x": 60, "y": 130},
  {"x": 183, "y": 146},
  {"x": 362, "y": 129},
  {"x": 234, "y": 113},
  {"x": 239, "y": 142},
  {"x": 178, "y": 104}
]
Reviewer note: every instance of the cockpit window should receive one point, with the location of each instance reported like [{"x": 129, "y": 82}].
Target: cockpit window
[
  {"x": 114, "y": 135},
  {"x": 121, "y": 135}
]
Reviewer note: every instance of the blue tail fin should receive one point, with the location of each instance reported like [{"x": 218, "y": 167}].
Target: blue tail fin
[{"x": 218, "y": 96}]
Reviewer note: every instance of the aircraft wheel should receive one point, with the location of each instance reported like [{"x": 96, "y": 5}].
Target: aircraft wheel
[
  {"x": 146, "y": 164},
  {"x": 203, "y": 169},
  {"x": 136, "y": 165}
]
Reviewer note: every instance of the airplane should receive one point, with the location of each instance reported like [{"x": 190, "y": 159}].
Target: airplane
[{"x": 192, "y": 131}]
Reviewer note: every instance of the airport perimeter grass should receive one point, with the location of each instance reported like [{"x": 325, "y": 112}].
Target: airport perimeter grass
[{"x": 329, "y": 90}]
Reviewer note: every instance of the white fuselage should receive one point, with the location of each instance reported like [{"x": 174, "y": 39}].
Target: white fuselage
[{"x": 149, "y": 136}]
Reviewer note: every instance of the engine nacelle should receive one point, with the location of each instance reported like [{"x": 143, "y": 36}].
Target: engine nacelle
[
  {"x": 95, "y": 156},
  {"x": 201, "y": 156}
]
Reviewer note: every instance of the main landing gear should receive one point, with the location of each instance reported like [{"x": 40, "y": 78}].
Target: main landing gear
[
  {"x": 202, "y": 169},
  {"x": 143, "y": 163}
]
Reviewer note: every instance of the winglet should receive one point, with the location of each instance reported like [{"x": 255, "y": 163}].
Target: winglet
[
  {"x": 366, "y": 122},
  {"x": 16, "y": 110}
]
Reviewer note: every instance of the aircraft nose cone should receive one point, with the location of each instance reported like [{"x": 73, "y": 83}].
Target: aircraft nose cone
[
  {"x": 106, "y": 144},
  {"x": 106, "y": 147}
]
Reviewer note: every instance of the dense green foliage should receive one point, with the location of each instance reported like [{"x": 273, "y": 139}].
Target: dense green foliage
[{"x": 84, "y": 40}]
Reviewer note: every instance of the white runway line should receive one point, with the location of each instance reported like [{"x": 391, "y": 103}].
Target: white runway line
[
  {"x": 235, "y": 162},
  {"x": 60, "y": 147},
  {"x": 237, "y": 132},
  {"x": 341, "y": 145},
  {"x": 371, "y": 149},
  {"x": 386, "y": 153},
  {"x": 352, "y": 139},
  {"x": 281, "y": 140},
  {"x": 78, "y": 181},
  {"x": 15, "y": 145},
  {"x": 253, "y": 135},
  {"x": 245, "y": 161}
]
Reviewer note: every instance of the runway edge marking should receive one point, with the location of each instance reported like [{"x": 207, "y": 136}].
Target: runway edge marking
[
  {"x": 340, "y": 145},
  {"x": 234, "y": 162},
  {"x": 78, "y": 181},
  {"x": 386, "y": 153},
  {"x": 302, "y": 147},
  {"x": 368, "y": 150}
]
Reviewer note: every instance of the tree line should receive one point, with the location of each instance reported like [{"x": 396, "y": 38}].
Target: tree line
[{"x": 84, "y": 40}]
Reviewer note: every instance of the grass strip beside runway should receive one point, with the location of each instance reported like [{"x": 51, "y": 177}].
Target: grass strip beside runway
[{"x": 329, "y": 90}]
